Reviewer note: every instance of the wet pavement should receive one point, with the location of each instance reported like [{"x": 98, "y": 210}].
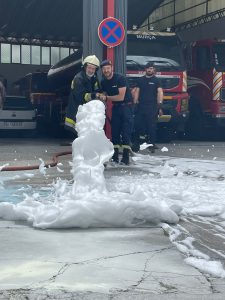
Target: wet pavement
[
  {"x": 106, "y": 263},
  {"x": 209, "y": 235}
]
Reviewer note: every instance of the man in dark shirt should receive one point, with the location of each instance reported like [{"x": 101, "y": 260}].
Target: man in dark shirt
[
  {"x": 148, "y": 98},
  {"x": 117, "y": 90}
]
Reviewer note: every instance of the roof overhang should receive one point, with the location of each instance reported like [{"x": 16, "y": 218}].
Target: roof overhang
[{"x": 58, "y": 20}]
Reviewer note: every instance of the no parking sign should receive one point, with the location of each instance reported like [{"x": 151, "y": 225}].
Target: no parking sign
[{"x": 111, "y": 32}]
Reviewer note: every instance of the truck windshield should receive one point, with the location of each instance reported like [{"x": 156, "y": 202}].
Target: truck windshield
[
  {"x": 164, "y": 51},
  {"x": 219, "y": 56}
]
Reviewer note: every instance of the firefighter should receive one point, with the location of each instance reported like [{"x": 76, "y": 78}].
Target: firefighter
[
  {"x": 117, "y": 90},
  {"x": 84, "y": 87},
  {"x": 148, "y": 98}
]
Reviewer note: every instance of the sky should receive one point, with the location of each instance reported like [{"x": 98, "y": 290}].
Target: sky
[{"x": 153, "y": 190}]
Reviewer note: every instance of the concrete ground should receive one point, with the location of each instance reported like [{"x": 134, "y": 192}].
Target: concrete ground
[{"x": 119, "y": 263}]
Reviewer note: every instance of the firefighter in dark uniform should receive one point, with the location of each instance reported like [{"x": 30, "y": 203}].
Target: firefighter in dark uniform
[
  {"x": 148, "y": 99},
  {"x": 117, "y": 90},
  {"x": 84, "y": 87}
]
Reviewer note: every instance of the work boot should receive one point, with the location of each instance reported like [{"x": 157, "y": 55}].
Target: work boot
[
  {"x": 136, "y": 144},
  {"x": 125, "y": 159},
  {"x": 115, "y": 157}
]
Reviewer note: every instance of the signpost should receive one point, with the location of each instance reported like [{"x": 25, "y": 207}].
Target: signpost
[{"x": 111, "y": 32}]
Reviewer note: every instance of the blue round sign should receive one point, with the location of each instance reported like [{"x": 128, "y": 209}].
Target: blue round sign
[{"x": 111, "y": 32}]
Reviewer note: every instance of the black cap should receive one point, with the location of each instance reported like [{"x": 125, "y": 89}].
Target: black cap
[
  {"x": 150, "y": 64},
  {"x": 106, "y": 62}
]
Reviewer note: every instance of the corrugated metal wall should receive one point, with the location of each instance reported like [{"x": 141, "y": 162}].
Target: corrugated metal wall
[{"x": 174, "y": 12}]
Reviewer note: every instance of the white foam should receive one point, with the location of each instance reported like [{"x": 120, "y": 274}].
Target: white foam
[
  {"x": 88, "y": 202},
  {"x": 214, "y": 268}
]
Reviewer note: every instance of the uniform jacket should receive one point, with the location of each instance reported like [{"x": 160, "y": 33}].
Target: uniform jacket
[{"x": 83, "y": 89}]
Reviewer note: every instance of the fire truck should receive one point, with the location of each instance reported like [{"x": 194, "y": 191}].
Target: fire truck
[
  {"x": 165, "y": 50},
  {"x": 206, "y": 85}
]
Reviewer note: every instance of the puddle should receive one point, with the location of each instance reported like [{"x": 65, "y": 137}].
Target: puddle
[{"x": 16, "y": 193}]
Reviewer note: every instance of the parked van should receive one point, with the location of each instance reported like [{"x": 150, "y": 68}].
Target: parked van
[{"x": 17, "y": 114}]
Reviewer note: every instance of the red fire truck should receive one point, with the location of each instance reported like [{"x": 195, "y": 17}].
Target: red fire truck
[
  {"x": 206, "y": 85},
  {"x": 165, "y": 50}
]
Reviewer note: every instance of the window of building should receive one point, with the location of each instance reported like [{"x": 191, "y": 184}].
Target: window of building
[
  {"x": 25, "y": 54},
  {"x": 35, "y": 55},
  {"x": 54, "y": 55},
  {"x": 6, "y": 53},
  {"x": 64, "y": 52},
  {"x": 16, "y": 54},
  {"x": 72, "y": 50},
  {"x": 45, "y": 55}
]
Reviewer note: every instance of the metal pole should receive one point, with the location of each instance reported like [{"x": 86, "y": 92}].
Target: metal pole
[
  {"x": 207, "y": 7},
  {"x": 174, "y": 12},
  {"x": 92, "y": 16},
  {"x": 121, "y": 8},
  {"x": 109, "y": 12}
]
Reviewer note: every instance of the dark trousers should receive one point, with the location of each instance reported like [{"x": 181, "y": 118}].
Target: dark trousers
[
  {"x": 121, "y": 123},
  {"x": 145, "y": 123}
]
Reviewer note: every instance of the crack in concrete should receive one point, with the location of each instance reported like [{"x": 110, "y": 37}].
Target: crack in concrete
[
  {"x": 145, "y": 275},
  {"x": 67, "y": 265},
  {"x": 212, "y": 287}
]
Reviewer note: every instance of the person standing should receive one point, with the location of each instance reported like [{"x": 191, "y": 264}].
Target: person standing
[
  {"x": 148, "y": 99},
  {"x": 117, "y": 90},
  {"x": 84, "y": 87}
]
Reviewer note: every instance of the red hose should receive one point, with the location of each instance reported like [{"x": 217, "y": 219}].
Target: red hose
[{"x": 34, "y": 167}]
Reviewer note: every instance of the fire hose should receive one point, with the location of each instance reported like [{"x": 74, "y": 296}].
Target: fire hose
[{"x": 53, "y": 163}]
